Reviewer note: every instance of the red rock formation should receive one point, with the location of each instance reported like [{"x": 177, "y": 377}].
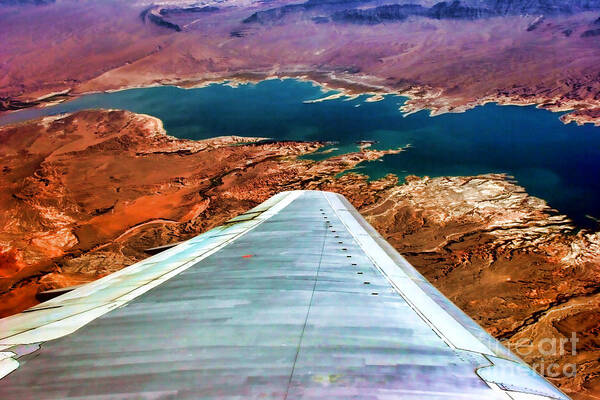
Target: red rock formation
[{"x": 10, "y": 263}]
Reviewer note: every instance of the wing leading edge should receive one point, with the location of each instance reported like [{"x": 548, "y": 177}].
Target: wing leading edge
[{"x": 296, "y": 298}]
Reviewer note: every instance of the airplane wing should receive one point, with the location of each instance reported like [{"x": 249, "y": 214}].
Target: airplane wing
[{"x": 298, "y": 298}]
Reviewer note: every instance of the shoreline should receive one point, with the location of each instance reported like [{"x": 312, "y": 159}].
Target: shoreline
[
  {"x": 325, "y": 88},
  {"x": 418, "y": 98}
]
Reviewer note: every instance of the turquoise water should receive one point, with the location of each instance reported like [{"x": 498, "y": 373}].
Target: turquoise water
[{"x": 559, "y": 163}]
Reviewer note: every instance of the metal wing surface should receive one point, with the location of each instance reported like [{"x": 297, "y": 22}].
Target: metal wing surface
[{"x": 299, "y": 298}]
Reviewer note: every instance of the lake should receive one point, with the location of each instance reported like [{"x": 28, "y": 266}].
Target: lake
[{"x": 559, "y": 163}]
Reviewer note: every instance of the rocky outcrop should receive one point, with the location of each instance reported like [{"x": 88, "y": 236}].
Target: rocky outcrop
[
  {"x": 398, "y": 12},
  {"x": 275, "y": 14},
  {"x": 536, "y": 23},
  {"x": 378, "y": 15},
  {"x": 187, "y": 10},
  {"x": 354, "y": 12},
  {"x": 457, "y": 10},
  {"x": 591, "y": 33},
  {"x": 154, "y": 15},
  {"x": 159, "y": 21},
  {"x": 159, "y": 15},
  {"x": 12, "y": 104},
  {"x": 546, "y": 7},
  {"x": 580, "y": 117},
  {"x": 8, "y": 104},
  {"x": 320, "y": 20}
]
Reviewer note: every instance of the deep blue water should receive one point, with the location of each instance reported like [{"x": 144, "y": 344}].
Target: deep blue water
[{"x": 559, "y": 163}]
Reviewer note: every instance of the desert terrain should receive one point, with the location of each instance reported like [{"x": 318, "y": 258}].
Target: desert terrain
[
  {"x": 83, "y": 195},
  {"x": 447, "y": 57}
]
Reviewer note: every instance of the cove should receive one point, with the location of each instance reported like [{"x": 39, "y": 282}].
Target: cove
[{"x": 556, "y": 162}]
